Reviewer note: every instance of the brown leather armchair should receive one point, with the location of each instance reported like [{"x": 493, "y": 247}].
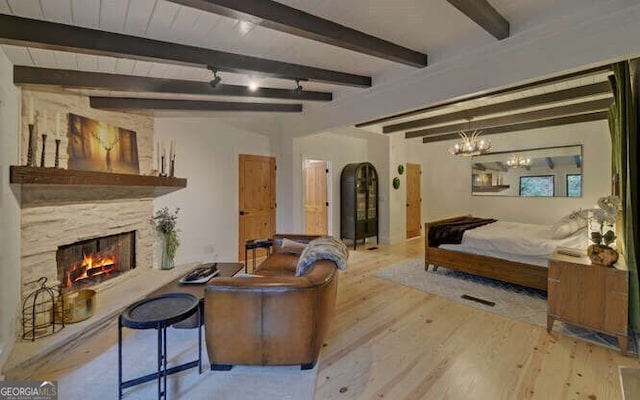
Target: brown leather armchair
[{"x": 274, "y": 319}]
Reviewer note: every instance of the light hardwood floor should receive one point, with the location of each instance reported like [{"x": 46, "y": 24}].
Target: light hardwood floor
[
  {"x": 393, "y": 342},
  {"x": 389, "y": 341}
]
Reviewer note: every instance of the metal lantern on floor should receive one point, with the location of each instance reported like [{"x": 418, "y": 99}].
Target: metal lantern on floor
[{"x": 39, "y": 312}]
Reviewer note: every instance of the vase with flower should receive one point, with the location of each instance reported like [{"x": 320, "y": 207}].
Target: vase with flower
[
  {"x": 164, "y": 221},
  {"x": 603, "y": 237}
]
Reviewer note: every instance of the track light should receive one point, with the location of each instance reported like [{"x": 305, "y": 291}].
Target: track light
[
  {"x": 298, "y": 88},
  {"x": 216, "y": 79}
]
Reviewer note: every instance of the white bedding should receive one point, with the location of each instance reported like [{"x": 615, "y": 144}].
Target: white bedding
[{"x": 516, "y": 241}]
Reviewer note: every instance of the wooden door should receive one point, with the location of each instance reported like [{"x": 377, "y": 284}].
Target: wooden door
[
  {"x": 315, "y": 200},
  {"x": 414, "y": 201},
  {"x": 257, "y": 199}
]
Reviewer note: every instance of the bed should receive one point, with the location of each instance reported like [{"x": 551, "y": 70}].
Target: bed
[{"x": 506, "y": 251}]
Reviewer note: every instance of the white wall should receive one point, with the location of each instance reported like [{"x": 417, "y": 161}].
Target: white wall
[
  {"x": 340, "y": 150},
  {"x": 207, "y": 155},
  {"x": 9, "y": 209},
  {"x": 446, "y": 179},
  {"x": 397, "y": 197}
]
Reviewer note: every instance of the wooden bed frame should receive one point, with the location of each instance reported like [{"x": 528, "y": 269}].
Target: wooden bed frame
[{"x": 528, "y": 275}]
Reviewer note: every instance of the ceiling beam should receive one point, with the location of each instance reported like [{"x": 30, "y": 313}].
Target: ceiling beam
[
  {"x": 509, "y": 90},
  {"x": 574, "y": 119},
  {"x": 530, "y": 116},
  {"x": 593, "y": 89},
  {"x": 49, "y": 35},
  {"x": 280, "y": 17},
  {"x": 131, "y": 103},
  {"x": 479, "y": 167},
  {"x": 127, "y": 83},
  {"x": 483, "y": 14}
]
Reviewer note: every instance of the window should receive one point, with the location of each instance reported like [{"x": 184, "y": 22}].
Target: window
[
  {"x": 574, "y": 185},
  {"x": 537, "y": 185}
]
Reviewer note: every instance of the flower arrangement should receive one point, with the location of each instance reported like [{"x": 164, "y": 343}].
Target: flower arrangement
[
  {"x": 605, "y": 215},
  {"x": 601, "y": 253},
  {"x": 164, "y": 221}
]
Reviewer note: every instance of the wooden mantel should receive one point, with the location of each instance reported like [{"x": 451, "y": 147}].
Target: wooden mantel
[{"x": 52, "y": 185}]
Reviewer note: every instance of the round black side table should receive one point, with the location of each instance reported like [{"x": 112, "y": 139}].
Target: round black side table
[{"x": 158, "y": 313}]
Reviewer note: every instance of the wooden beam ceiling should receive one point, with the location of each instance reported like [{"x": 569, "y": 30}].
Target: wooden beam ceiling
[
  {"x": 127, "y": 83},
  {"x": 530, "y": 116},
  {"x": 594, "y": 89},
  {"x": 483, "y": 14},
  {"x": 131, "y": 103},
  {"x": 280, "y": 17},
  {"x": 510, "y": 90},
  {"x": 48, "y": 35},
  {"x": 574, "y": 119}
]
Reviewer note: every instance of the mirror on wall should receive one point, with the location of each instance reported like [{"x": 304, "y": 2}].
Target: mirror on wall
[{"x": 541, "y": 172}]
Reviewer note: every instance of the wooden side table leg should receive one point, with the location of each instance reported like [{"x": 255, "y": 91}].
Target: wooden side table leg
[
  {"x": 623, "y": 342},
  {"x": 550, "y": 321}
]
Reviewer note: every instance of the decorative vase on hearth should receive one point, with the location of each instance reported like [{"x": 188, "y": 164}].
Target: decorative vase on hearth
[
  {"x": 167, "y": 260},
  {"x": 164, "y": 222}
]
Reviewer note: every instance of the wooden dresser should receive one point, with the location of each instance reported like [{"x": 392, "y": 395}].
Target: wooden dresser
[{"x": 589, "y": 296}]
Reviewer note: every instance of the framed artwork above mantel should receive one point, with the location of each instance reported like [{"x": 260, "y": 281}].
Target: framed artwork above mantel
[{"x": 101, "y": 147}]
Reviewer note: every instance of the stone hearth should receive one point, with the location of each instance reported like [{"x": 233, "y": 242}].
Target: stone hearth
[{"x": 112, "y": 298}]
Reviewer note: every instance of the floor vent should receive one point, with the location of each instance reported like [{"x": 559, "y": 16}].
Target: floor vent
[
  {"x": 373, "y": 248},
  {"x": 478, "y": 300}
]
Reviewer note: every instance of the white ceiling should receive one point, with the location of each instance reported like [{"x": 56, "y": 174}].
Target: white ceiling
[{"x": 431, "y": 26}]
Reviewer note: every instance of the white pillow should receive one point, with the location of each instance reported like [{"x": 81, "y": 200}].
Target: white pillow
[{"x": 568, "y": 225}]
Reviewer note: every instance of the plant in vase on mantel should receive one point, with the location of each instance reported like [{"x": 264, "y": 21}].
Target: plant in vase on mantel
[
  {"x": 601, "y": 252},
  {"x": 164, "y": 222}
]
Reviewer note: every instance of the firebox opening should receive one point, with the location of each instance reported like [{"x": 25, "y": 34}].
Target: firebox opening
[{"x": 89, "y": 262}]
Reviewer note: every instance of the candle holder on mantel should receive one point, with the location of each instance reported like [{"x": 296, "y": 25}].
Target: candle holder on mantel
[
  {"x": 31, "y": 145},
  {"x": 44, "y": 146},
  {"x": 57, "y": 159},
  {"x": 172, "y": 167},
  {"x": 163, "y": 172}
]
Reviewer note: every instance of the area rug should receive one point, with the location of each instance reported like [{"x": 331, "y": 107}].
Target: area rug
[
  {"x": 98, "y": 379},
  {"x": 510, "y": 301}
]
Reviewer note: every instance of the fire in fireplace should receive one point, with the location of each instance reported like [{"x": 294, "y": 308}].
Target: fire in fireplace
[{"x": 89, "y": 262}]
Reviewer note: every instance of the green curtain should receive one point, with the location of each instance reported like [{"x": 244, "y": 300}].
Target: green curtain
[{"x": 624, "y": 148}]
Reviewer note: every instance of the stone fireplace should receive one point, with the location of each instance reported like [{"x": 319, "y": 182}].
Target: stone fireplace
[
  {"x": 89, "y": 262},
  {"x": 62, "y": 222},
  {"x": 48, "y": 233},
  {"x": 55, "y": 216}
]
